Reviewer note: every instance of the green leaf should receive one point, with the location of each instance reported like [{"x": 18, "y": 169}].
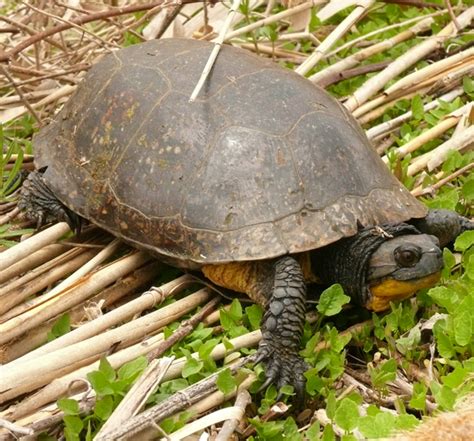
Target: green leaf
[
  {"x": 131, "y": 370},
  {"x": 313, "y": 432},
  {"x": 226, "y": 319},
  {"x": 104, "y": 407},
  {"x": 384, "y": 373},
  {"x": 469, "y": 266},
  {"x": 331, "y": 301},
  {"x": 73, "y": 423},
  {"x": 331, "y": 405},
  {"x": 456, "y": 377},
  {"x": 418, "y": 399},
  {"x": 468, "y": 190},
  {"x": 464, "y": 241},
  {"x": 444, "y": 297},
  {"x": 406, "y": 422},
  {"x": 449, "y": 259},
  {"x": 235, "y": 310},
  {"x": 254, "y": 315},
  {"x": 347, "y": 415},
  {"x": 207, "y": 347},
  {"x": 106, "y": 368},
  {"x": 417, "y": 108},
  {"x": 379, "y": 426},
  {"x": 100, "y": 383},
  {"x": 328, "y": 433},
  {"x": 226, "y": 382},
  {"x": 443, "y": 341},
  {"x": 191, "y": 367},
  {"x": 61, "y": 326},
  {"x": 468, "y": 84},
  {"x": 68, "y": 406},
  {"x": 443, "y": 395},
  {"x": 463, "y": 328}
]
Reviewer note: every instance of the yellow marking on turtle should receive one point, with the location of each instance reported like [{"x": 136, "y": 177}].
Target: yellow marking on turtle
[
  {"x": 392, "y": 290},
  {"x": 246, "y": 277}
]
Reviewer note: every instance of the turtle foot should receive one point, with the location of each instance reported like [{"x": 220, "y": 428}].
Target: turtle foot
[
  {"x": 41, "y": 205},
  {"x": 283, "y": 366}
]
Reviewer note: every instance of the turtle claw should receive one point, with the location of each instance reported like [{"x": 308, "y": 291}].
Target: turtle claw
[{"x": 283, "y": 366}]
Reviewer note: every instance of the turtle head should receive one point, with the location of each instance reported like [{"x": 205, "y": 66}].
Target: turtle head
[
  {"x": 381, "y": 264},
  {"x": 400, "y": 267}
]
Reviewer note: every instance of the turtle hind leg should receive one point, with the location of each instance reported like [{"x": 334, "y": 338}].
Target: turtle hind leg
[
  {"x": 41, "y": 205},
  {"x": 282, "y": 329}
]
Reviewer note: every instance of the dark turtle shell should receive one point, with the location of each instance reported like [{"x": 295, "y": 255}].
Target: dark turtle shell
[{"x": 262, "y": 164}]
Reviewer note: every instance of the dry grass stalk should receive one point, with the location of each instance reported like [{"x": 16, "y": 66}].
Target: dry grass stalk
[
  {"x": 382, "y": 102},
  {"x": 402, "y": 63},
  {"x": 9, "y": 216},
  {"x": 37, "y": 336},
  {"x": 72, "y": 297},
  {"x": 93, "y": 263},
  {"x": 242, "y": 401},
  {"x": 192, "y": 394},
  {"x": 18, "y": 378},
  {"x": 360, "y": 9},
  {"x": 215, "y": 50},
  {"x": 35, "y": 259},
  {"x": 363, "y": 54},
  {"x": 380, "y": 30},
  {"x": 444, "y": 125},
  {"x": 13, "y": 297},
  {"x": 34, "y": 243},
  {"x": 464, "y": 57},
  {"x": 273, "y": 18},
  {"x": 14, "y": 113},
  {"x": 436, "y": 157},
  {"x": 75, "y": 381},
  {"x": 136, "y": 398},
  {"x": 147, "y": 300},
  {"x": 388, "y": 126}
]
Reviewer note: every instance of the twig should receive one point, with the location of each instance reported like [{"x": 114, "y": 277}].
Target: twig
[
  {"x": 273, "y": 18},
  {"x": 34, "y": 243},
  {"x": 87, "y": 19},
  {"x": 22, "y": 96},
  {"x": 242, "y": 401},
  {"x": 135, "y": 400},
  {"x": 452, "y": 15},
  {"x": 363, "y": 54},
  {"x": 71, "y": 23},
  {"x": 436, "y": 157},
  {"x": 9, "y": 216},
  {"x": 355, "y": 72},
  {"x": 136, "y": 397},
  {"x": 175, "y": 403},
  {"x": 406, "y": 60},
  {"x": 215, "y": 50},
  {"x": 415, "y": 3},
  {"x": 387, "y": 126},
  {"x": 359, "y": 10},
  {"x": 147, "y": 300},
  {"x": 58, "y": 305},
  {"x": 19, "y": 378},
  {"x": 15, "y": 429}
]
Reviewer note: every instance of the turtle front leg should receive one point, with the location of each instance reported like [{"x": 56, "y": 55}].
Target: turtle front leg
[
  {"x": 41, "y": 205},
  {"x": 446, "y": 225},
  {"x": 282, "y": 328}
]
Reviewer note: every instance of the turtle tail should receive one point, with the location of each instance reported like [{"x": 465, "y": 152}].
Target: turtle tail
[{"x": 41, "y": 205}]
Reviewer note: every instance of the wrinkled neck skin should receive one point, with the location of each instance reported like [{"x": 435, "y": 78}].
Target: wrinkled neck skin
[{"x": 347, "y": 261}]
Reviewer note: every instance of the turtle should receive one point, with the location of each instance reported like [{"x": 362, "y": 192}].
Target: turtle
[{"x": 265, "y": 183}]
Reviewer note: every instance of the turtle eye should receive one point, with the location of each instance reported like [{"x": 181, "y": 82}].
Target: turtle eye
[{"x": 407, "y": 255}]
